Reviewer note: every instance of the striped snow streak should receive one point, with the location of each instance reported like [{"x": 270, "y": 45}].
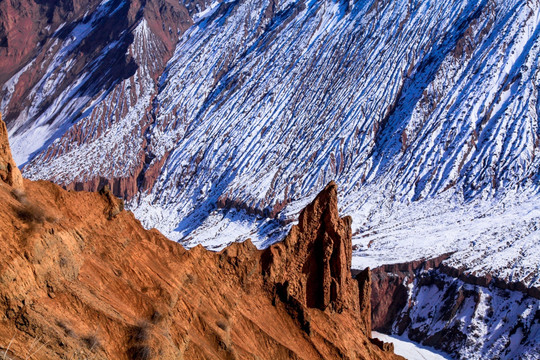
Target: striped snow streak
[
  {"x": 420, "y": 96},
  {"x": 425, "y": 113}
]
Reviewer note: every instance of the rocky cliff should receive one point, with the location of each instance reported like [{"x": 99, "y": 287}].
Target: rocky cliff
[
  {"x": 98, "y": 62},
  {"x": 81, "y": 278},
  {"x": 425, "y": 113},
  {"x": 470, "y": 317},
  {"x": 9, "y": 172}
]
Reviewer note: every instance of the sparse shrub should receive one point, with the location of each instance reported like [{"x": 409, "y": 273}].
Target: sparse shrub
[
  {"x": 31, "y": 213},
  {"x": 189, "y": 279},
  {"x": 91, "y": 341},
  {"x": 140, "y": 352},
  {"x": 140, "y": 332},
  {"x": 156, "y": 317},
  {"x": 65, "y": 327},
  {"x": 19, "y": 195},
  {"x": 63, "y": 262}
]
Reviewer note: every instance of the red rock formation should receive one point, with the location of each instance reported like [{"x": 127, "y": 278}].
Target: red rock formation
[
  {"x": 81, "y": 278},
  {"x": 318, "y": 276},
  {"x": 486, "y": 280},
  {"x": 24, "y": 24},
  {"x": 28, "y": 35},
  {"x": 365, "y": 286},
  {"x": 390, "y": 289},
  {"x": 9, "y": 172}
]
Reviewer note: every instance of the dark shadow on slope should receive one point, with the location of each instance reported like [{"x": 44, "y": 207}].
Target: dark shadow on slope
[
  {"x": 472, "y": 67},
  {"x": 106, "y": 66},
  {"x": 484, "y": 127},
  {"x": 231, "y": 78},
  {"x": 199, "y": 215}
]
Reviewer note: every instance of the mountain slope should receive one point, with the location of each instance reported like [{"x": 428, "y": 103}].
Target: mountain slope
[
  {"x": 467, "y": 316},
  {"x": 81, "y": 278},
  {"x": 89, "y": 83},
  {"x": 224, "y": 122},
  {"x": 425, "y": 113}
]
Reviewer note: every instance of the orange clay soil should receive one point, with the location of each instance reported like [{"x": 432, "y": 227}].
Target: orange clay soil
[{"x": 80, "y": 278}]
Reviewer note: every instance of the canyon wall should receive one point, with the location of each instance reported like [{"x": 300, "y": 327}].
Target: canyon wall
[{"x": 470, "y": 317}]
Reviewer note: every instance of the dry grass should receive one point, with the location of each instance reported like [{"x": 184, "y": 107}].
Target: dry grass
[
  {"x": 5, "y": 357},
  {"x": 140, "y": 332},
  {"x": 156, "y": 317},
  {"x": 66, "y": 328},
  {"x": 91, "y": 341},
  {"x": 140, "y": 352}
]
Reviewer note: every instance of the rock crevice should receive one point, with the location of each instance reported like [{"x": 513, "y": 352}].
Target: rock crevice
[{"x": 313, "y": 262}]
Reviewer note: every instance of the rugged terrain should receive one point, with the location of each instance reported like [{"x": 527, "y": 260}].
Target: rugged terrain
[
  {"x": 226, "y": 117},
  {"x": 467, "y": 316},
  {"x": 221, "y": 121},
  {"x": 90, "y": 76},
  {"x": 81, "y": 278}
]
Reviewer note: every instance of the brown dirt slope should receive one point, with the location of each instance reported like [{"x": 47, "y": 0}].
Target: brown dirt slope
[{"x": 80, "y": 278}]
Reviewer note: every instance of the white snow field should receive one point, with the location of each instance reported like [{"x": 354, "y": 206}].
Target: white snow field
[{"x": 409, "y": 349}]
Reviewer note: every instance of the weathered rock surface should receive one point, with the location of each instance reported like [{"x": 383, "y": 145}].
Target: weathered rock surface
[
  {"x": 390, "y": 286},
  {"x": 24, "y": 24},
  {"x": 81, "y": 278},
  {"x": 9, "y": 172},
  {"x": 313, "y": 263},
  {"x": 365, "y": 281},
  {"x": 103, "y": 56},
  {"x": 468, "y": 316}
]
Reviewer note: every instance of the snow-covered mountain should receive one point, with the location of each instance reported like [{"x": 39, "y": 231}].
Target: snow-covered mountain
[
  {"x": 220, "y": 121},
  {"x": 426, "y": 113},
  {"x": 88, "y": 87}
]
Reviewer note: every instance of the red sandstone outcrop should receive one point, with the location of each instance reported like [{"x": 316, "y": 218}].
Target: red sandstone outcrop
[
  {"x": 9, "y": 172},
  {"x": 389, "y": 293},
  {"x": 313, "y": 263},
  {"x": 390, "y": 286},
  {"x": 81, "y": 278},
  {"x": 364, "y": 279}
]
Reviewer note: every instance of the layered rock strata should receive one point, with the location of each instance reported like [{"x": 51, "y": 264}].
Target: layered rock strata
[
  {"x": 81, "y": 278},
  {"x": 9, "y": 172}
]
